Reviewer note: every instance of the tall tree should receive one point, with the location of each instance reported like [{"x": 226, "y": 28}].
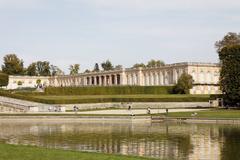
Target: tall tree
[
  {"x": 74, "y": 69},
  {"x": 12, "y": 65},
  {"x": 32, "y": 70},
  {"x": 43, "y": 68},
  {"x": 184, "y": 84},
  {"x": 107, "y": 65},
  {"x": 155, "y": 63},
  {"x": 230, "y": 74},
  {"x": 96, "y": 68},
  {"x": 228, "y": 40}
]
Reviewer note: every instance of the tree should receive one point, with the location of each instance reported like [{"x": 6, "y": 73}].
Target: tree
[
  {"x": 107, "y": 65},
  {"x": 118, "y": 67},
  {"x": 32, "y": 70},
  {"x": 96, "y": 68},
  {"x": 56, "y": 71},
  {"x": 87, "y": 71},
  {"x": 184, "y": 84},
  {"x": 230, "y": 74},
  {"x": 155, "y": 63},
  {"x": 12, "y": 65},
  {"x": 74, "y": 69},
  {"x": 137, "y": 65},
  {"x": 43, "y": 68},
  {"x": 228, "y": 40},
  {"x": 3, "y": 79}
]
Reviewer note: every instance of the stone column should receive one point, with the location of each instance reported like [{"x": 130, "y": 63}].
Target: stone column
[
  {"x": 100, "y": 80},
  {"x": 115, "y": 76},
  {"x": 156, "y": 79},
  {"x": 166, "y": 78},
  {"x": 151, "y": 79},
  {"x": 95, "y": 80}
]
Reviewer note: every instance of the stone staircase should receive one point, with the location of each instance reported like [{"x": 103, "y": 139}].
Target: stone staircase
[{"x": 16, "y": 105}]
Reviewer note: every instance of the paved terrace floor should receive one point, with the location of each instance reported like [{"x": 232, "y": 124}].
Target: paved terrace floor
[{"x": 137, "y": 111}]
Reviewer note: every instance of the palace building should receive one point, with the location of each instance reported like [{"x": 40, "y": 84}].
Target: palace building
[{"x": 205, "y": 75}]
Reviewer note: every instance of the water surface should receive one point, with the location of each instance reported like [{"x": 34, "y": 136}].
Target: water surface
[{"x": 159, "y": 140}]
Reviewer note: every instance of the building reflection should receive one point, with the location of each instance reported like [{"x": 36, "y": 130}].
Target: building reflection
[{"x": 172, "y": 141}]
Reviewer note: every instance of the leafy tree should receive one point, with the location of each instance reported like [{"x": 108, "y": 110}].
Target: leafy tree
[
  {"x": 155, "y": 63},
  {"x": 137, "y": 65},
  {"x": 12, "y": 65},
  {"x": 184, "y": 84},
  {"x": 32, "y": 70},
  {"x": 118, "y": 67},
  {"x": 228, "y": 40},
  {"x": 230, "y": 74},
  {"x": 55, "y": 71},
  {"x": 43, "y": 68},
  {"x": 96, "y": 68},
  {"x": 107, "y": 65},
  {"x": 74, "y": 69},
  {"x": 3, "y": 79},
  {"x": 87, "y": 71}
]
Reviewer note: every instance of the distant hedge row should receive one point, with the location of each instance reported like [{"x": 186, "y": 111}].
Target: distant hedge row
[{"x": 114, "y": 90}]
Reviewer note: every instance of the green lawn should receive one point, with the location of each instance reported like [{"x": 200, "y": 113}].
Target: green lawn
[
  {"x": 218, "y": 113},
  {"x": 15, "y": 152},
  {"x": 68, "y": 99}
]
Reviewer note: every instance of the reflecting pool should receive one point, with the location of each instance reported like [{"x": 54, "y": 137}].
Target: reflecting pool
[{"x": 159, "y": 140}]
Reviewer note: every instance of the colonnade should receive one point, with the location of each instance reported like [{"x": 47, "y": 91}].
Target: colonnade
[
  {"x": 162, "y": 76},
  {"x": 87, "y": 80},
  {"x": 153, "y": 77}
]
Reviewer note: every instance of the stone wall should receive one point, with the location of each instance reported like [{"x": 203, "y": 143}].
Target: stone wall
[{"x": 159, "y": 105}]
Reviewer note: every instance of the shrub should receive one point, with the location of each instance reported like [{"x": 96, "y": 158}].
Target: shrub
[
  {"x": 3, "y": 79},
  {"x": 184, "y": 84}
]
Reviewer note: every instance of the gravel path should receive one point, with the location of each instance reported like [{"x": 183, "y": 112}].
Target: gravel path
[{"x": 137, "y": 111}]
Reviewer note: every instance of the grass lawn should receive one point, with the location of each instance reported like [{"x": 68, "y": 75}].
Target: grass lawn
[
  {"x": 218, "y": 113},
  {"x": 68, "y": 99},
  {"x": 52, "y": 97},
  {"x": 15, "y": 152}
]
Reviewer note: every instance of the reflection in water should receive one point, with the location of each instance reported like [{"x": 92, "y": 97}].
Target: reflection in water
[{"x": 172, "y": 141}]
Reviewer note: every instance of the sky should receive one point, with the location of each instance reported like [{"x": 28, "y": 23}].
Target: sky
[{"x": 126, "y": 32}]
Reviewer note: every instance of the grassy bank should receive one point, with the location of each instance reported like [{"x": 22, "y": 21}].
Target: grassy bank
[
  {"x": 218, "y": 113},
  {"x": 120, "y": 98},
  {"x": 15, "y": 152},
  {"x": 73, "y": 99}
]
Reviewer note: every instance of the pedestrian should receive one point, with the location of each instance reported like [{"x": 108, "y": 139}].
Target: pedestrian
[
  {"x": 148, "y": 110},
  {"x": 129, "y": 107}
]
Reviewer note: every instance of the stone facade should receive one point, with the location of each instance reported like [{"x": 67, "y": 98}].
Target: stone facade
[
  {"x": 26, "y": 81},
  {"x": 205, "y": 75}
]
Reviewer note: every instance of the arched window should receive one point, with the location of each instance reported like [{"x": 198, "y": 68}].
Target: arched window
[
  {"x": 201, "y": 77},
  {"x": 194, "y": 75},
  {"x": 209, "y": 77}
]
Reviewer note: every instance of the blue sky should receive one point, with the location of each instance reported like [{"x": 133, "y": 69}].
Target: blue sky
[{"x": 65, "y": 32}]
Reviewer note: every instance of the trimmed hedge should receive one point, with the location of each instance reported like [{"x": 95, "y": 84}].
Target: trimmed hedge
[
  {"x": 3, "y": 79},
  {"x": 102, "y": 100},
  {"x": 113, "y": 90}
]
